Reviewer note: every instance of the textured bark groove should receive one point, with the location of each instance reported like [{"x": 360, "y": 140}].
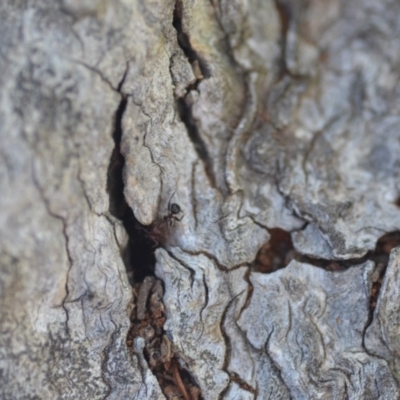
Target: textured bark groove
[{"x": 200, "y": 199}]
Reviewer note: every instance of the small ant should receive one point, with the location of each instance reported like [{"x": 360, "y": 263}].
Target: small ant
[
  {"x": 173, "y": 209},
  {"x": 158, "y": 229}
]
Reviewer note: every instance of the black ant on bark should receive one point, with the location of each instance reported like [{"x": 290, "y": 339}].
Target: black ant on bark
[{"x": 158, "y": 229}]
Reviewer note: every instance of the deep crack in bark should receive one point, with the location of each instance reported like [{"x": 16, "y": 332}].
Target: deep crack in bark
[
  {"x": 139, "y": 260},
  {"x": 285, "y": 16},
  {"x": 138, "y": 255},
  {"x": 183, "y": 106},
  {"x": 380, "y": 256},
  {"x": 279, "y": 251}
]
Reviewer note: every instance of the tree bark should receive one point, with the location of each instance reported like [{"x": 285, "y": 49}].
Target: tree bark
[{"x": 200, "y": 199}]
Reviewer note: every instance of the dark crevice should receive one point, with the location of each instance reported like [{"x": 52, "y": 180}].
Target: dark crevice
[
  {"x": 184, "y": 375},
  {"x": 228, "y": 345},
  {"x": 186, "y": 116},
  {"x": 205, "y": 305},
  {"x": 276, "y": 253},
  {"x": 279, "y": 251},
  {"x": 120, "y": 84},
  {"x": 139, "y": 260},
  {"x": 380, "y": 256},
  {"x": 227, "y": 340},
  {"x": 147, "y": 322},
  {"x": 184, "y": 41},
  {"x": 286, "y": 10},
  {"x": 192, "y": 272},
  {"x": 250, "y": 291},
  {"x": 216, "y": 261},
  {"x": 183, "y": 104},
  {"x": 70, "y": 261},
  {"x": 189, "y": 382},
  {"x": 242, "y": 384},
  {"x": 138, "y": 255},
  {"x": 115, "y": 183},
  {"x": 232, "y": 303},
  {"x": 285, "y": 16}
]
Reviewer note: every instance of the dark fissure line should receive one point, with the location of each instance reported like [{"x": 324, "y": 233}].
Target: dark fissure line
[
  {"x": 279, "y": 251},
  {"x": 380, "y": 256},
  {"x": 186, "y": 116},
  {"x": 115, "y": 183},
  {"x": 184, "y": 41},
  {"x": 286, "y": 10},
  {"x": 182, "y": 104},
  {"x": 285, "y": 17},
  {"x": 138, "y": 255}
]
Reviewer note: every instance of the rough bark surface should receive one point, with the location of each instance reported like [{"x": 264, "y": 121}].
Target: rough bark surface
[{"x": 268, "y": 123}]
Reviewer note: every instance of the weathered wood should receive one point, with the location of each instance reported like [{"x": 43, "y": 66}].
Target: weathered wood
[{"x": 249, "y": 116}]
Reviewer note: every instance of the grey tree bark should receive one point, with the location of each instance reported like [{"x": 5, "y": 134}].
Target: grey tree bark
[{"x": 274, "y": 125}]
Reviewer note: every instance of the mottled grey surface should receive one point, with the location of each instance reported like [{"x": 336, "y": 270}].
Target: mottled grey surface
[
  {"x": 326, "y": 142},
  {"x": 250, "y": 115},
  {"x": 311, "y": 325},
  {"x": 65, "y": 297}
]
